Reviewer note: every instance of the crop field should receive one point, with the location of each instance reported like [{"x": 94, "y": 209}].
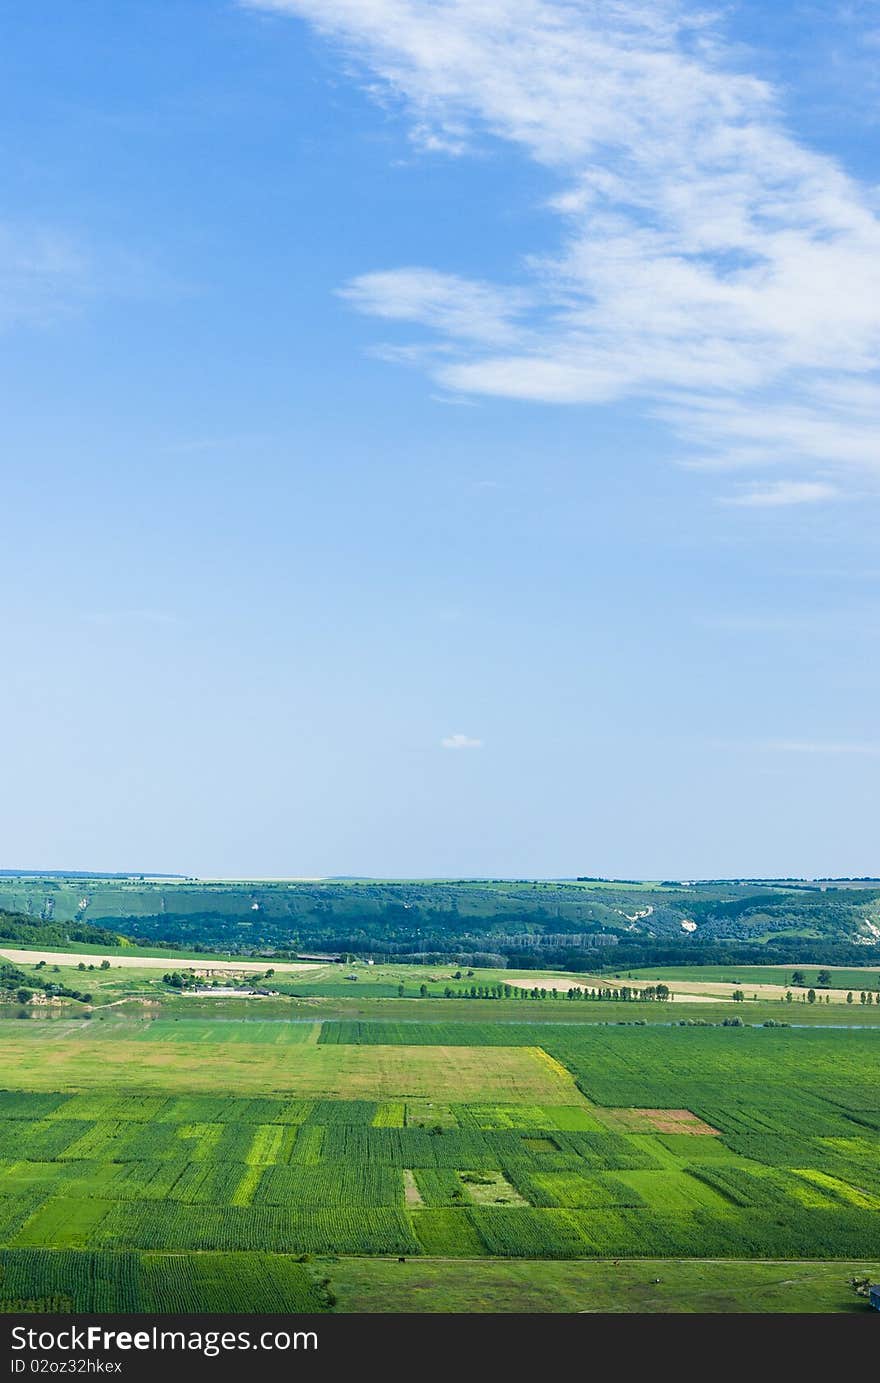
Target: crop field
[
  {"x": 68, "y": 1281},
  {"x": 842, "y": 976},
  {"x": 66, "y": 1056},
  {"x": 193, "y": 1162}
]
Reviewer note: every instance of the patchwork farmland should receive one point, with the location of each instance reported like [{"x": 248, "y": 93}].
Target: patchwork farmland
[{"x": 236, "y": 1165}]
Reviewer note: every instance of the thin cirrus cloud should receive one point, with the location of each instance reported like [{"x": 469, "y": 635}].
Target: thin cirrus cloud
[
  {"x": 782, "y": 492},
  {"x": 42, "y": 275},
  {"x": 867, "y": 748},
  {"x": 459, "y": 741},
  {"x": 709, "y": 264},
  {"x": 455, "y": 307}
]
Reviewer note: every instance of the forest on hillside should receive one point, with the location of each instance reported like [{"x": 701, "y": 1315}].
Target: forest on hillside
[{"x": 576, "y": 924}]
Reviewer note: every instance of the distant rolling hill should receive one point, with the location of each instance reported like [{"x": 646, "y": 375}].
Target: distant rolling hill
[{"x": 581, "y": 924}]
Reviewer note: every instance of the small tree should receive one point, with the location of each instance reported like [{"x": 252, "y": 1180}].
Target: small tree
[
  {"x": 24, "y": 996},
  {"x": 811, "y": 996},
  {"x": 849, "y": 997},
  {"x": 105, "y": 964}
]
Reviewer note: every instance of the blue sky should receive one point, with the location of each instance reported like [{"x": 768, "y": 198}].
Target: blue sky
[{"x": 439, "y": 437}]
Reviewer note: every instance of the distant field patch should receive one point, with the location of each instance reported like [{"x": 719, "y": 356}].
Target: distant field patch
[
  {"x": 391, "y": 1114},
  {"x": 223, "y": 1030},
  {"x": 430, "y": 1114},
  {"x": 491, "y": 1188},
  {"x": 77, "y": 1060},
  {"x": 411, "y": 1192},
  {"x": 575, "y": 1118},
  {"x": 656, "y": 1121}
]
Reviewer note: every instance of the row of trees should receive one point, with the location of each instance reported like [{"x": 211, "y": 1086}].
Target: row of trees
[
  {"x": 866, "y": 996},
  {"x": 624, "y": 993}
]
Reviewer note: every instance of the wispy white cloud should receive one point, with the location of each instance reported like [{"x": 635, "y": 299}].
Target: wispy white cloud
[
  {"x": 454, "y": 307},
  {"x": 869, "y": 748},
  {"x": 43, "y": 274},
  {"x": 710, "y": 265},
  {"x": 782, "y": 492},
  {"x": 461, "y": 742}
]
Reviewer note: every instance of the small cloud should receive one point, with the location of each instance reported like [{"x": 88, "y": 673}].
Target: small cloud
[
  {"x": 43, "y": 275},
  {"x": 825, "y": 747},
  {"x": 461, "y": 742},
  {"x": 782, "y": 492},
  {"x": 461, "y": 309},
  {"x": 454, "y": 400}
]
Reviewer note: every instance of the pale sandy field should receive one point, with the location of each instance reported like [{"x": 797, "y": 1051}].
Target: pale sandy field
[{"x": 139, "y": 962}]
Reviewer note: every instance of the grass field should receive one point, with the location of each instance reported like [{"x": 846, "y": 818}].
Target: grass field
[
  {"x": 187, "y": 1154},
  {"x": 276, "y": 1059},
  {"x": 652, "y": 1285},
  {"x": 542, "y": 1012}
]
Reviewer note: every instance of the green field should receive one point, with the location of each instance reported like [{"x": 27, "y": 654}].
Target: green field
[
  {"x": 195, "y": 1160},
  {"x": 638, "y": 1285},
  {"x": 265, "y": 1059}
]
